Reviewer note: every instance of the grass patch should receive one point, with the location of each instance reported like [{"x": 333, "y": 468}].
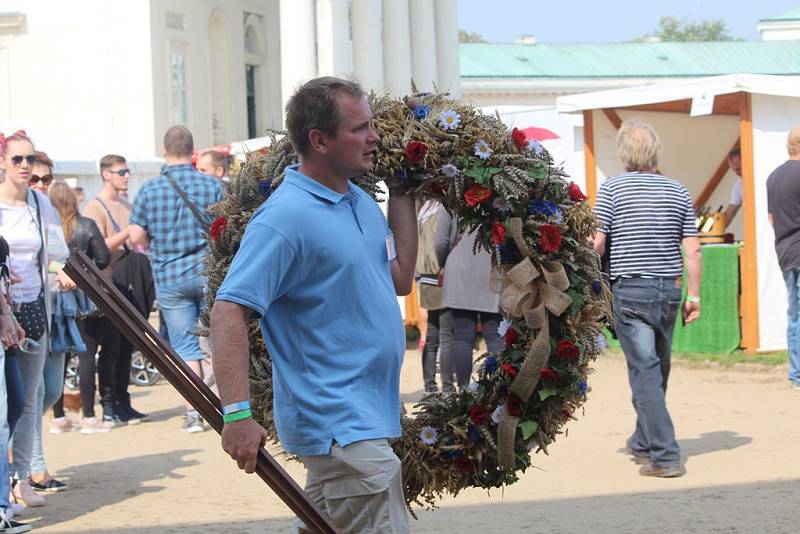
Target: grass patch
[{"x": 726, "y": 360}]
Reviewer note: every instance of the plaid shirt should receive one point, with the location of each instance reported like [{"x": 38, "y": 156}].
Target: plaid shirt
[{"x": 177, "y": 243}]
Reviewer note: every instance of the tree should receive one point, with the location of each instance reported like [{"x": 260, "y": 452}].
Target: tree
[
  {"x": 670, "y": 29},
  {"x": 470, "y": 37}
]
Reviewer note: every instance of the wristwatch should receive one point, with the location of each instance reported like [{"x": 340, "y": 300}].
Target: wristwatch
[{"x": 692, "y": 299}]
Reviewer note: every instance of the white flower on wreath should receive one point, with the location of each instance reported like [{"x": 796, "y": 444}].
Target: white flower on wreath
[
  {"x": 535, "y": 147},
  {"x": 482, "y": 149},
  {"x": 450, "y": 170},
  {"x": 428, "y": 435},
  {"x": 472, "y": 387},
  {"x": 505, "y": 324},
  {"x": 449, "y": 120},
  {"x": 601, "y": 342},
  {"x": 497, "y": 413}
]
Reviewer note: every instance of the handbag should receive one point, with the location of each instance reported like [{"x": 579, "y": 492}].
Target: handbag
[
  {"x": 133, "y": 274},
  {"x": 32, "y": 317}
]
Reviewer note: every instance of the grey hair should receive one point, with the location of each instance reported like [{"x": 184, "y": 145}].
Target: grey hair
[{"x": 638, "y": 145}]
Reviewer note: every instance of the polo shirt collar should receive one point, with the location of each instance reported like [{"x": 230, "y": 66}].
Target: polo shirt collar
[
  {"x": 296, "y": 178},
  {"x": 180, "y": 166}
]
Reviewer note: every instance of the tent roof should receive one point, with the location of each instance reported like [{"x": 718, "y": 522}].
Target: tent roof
[
  {"x": 627, "y": 60},
  {"x": 681, "y": 91}
]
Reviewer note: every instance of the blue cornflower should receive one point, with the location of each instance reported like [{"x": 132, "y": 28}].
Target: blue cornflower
[
  {"x": 421, "y": 111},
  {"x": 451, "y": 455},
  {"x": 583, "y": 387},
  {"x": 509, "y": 253},
  {"x": 404, "y": 175},
  {"x": 596, "y": 287},
  {"x": 490, "y": 365},
  {"x": 542, "y": 207},
  {"x": 265, "y": 188},
  {"x": 474, "y": 434}
]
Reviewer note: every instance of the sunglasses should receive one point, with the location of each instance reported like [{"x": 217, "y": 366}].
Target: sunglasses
[
  {"x": 122, "y": 172},
  {"x": 46, "y": 180},
  {"x": 17, "y": 160}
]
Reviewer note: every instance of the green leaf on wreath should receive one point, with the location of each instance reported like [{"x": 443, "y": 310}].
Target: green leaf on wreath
[
  {"x": 528, "y": 428},
  {"x": 546, "y": 393}
]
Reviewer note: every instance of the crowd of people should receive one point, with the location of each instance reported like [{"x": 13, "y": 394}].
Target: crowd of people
[{"x": 157, "y": 239}]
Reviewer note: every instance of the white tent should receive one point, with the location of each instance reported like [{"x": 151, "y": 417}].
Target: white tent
[{"x": 699, "y": 121}]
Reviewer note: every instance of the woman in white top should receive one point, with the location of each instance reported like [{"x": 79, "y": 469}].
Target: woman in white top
[{"x": 24, "y": 218}]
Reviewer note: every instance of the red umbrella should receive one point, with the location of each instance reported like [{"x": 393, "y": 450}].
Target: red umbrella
[{"x": 540, "y": 134}]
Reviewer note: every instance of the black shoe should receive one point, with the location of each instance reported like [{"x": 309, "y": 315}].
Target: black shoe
[
  {"x": 51, "y": 485},
  {"x": 9, "y": 526},
  {"x": 130, "y": 416},
  {"x": 112, "y": 420}
]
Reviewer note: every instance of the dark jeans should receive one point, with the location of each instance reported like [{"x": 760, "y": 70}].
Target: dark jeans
[
  {"x": 644, "y": 317},
  {"x": 430, "y": 352},
  {"x": 16, "y": 395},
  {"x": 113, "y": 365},
  {"x": 465, "y": 324}
]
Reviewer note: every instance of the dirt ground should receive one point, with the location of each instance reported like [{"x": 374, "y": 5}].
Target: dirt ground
[{"x": 738, "y": 430}]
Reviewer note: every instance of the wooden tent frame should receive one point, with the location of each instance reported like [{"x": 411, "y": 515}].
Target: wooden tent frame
[{"x": 739, "y": 103}]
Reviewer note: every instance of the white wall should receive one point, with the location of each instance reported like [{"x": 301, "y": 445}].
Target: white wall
[{"x": 773, "y": 117}]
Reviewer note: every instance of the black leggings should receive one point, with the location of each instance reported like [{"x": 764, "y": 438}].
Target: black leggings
[
  {"x": 113, "y": 365},
  {"x": 465, "y": 323}
]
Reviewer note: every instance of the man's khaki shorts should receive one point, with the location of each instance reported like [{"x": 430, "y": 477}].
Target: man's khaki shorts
[{"x": 360, "y": 487}]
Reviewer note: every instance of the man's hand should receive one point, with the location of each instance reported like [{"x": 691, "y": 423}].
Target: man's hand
[
  {"x": 241, "y": 440},
  {"x": 8, "y": 330},
  {"x": 691, "y": 311}
]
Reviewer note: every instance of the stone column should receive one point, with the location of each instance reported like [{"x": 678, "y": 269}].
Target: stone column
[
  {"x": 333, "y": 38},
  {"x": 396, "y": 47},
  {"x": 298, "y": 44},
  {"x": 423, "y": 45},
  {"x": 447, "y": 58},
  {"x": 367, "y": 45}
]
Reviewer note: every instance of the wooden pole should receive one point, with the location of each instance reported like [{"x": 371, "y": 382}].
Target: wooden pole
[
  {"x": 749, "y": 274},
  {"x": 613, "y": 116},
  {"x": 589, "y": 156},
  {"x": 715, "y": 179},
  {"x": 141, "y": 334}
]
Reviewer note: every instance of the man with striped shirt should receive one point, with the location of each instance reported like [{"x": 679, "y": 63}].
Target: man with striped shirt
[{"x": 649, "y": 217}]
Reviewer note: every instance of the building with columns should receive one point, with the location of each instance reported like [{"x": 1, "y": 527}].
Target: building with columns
[{"x": 97, "y": 77}]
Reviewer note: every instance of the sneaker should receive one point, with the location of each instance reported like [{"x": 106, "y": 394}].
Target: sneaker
[
  {"x": 639, "y": 458},
  {"x": 51, "y": 486},
  {"x": 92, "y": 425},
  {"x": 23, "y": 493},
  {"x": 670, "y": 471},
  {"x": 111, "y": 420},
  {"x": 7, "y": 526},
  {"x": 62, "y": 425},
  {"x": 795, "y": 385},
  {"x": 127, "y": 415},
  {"x": 192, "y": 423}
]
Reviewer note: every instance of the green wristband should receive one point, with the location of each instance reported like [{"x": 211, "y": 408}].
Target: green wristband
[{"x": 237, "y": 416}]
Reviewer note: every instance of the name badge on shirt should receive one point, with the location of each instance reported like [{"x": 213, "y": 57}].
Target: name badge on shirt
[{"x": 391, "y": 252}]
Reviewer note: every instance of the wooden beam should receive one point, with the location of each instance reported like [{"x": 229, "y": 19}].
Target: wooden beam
[
  {"x": 589, "y": 156},
  {"x": 715, "y": 179},
  {"x": 749, "y": 273},
  {"x": 613, "y": 116},
  {"x": 141, "y": 333},
  {"x": 723, "y": 105}
]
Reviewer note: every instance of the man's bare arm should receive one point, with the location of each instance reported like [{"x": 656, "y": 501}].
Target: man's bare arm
[
  {"x": 600, "y": 243},
  {"x": 403, "y": 222},
  {"x": 694, "y": 271},
  {"x": 138, "y": 235}
]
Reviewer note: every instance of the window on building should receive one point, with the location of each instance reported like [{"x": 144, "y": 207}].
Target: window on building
[
  {"x": 179, "y": 83},
  {"x": 250, "y": 76}
]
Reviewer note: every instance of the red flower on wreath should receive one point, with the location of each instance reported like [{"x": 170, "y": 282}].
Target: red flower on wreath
[
  {"x": 568, "y": 350},
  {"x": 511, "y": 337},
  {"x": 217, "y": 227},
  {"x": 549, "y": 375},
  {"x": 476, "y": 195},
  {"x": 550, "y": 238},
  {"x": 519, "y": 138},
  {"x": 415, "y": 151},
  {"x": 509, "y": 369},
  {"x": 575, "y": 192},
  {"x": 514, "y": 405},
  {"x": 478, "y": 414},
  {"x": 498, "y": 233},
  {"x": 465, "y": 464}
]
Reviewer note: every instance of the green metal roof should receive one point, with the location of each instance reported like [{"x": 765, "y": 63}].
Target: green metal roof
[
  {"x": 792, "y": 14},
  {"x": 622, "y": 60}
]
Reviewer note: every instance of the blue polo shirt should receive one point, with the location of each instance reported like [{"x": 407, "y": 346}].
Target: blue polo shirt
[{"x": 313, "y": 264}]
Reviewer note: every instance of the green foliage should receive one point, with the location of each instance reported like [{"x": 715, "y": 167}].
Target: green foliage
[
  {"x": 528, "y": 428},
  {"x": 470, "y": 37},
  {"x": 671, "y": 29},
  {"x": 481, "y": 174}
]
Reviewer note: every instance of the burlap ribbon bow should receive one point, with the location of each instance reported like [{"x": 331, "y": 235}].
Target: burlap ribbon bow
[{"x": 525, "y": 292}]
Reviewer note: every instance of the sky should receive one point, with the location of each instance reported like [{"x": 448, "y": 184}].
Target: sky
[{"x": 602, "y": 21}]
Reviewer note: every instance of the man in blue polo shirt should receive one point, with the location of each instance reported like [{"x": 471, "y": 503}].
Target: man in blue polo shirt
[{"x": 321, "y": 267}]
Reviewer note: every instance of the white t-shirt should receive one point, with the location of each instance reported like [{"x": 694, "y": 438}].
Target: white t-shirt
[
  {"x": 736, "y": 193},
  {"x": 22, "y": 233}
]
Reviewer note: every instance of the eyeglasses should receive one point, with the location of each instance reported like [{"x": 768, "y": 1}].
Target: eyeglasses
[
  {"x": 46, "y": 180},
  {"x": 17, "y": 160},
  {"x": 121, "y": 172}
]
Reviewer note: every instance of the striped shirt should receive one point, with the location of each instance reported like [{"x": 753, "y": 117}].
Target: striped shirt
[{"x": 646, "y": 216}]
